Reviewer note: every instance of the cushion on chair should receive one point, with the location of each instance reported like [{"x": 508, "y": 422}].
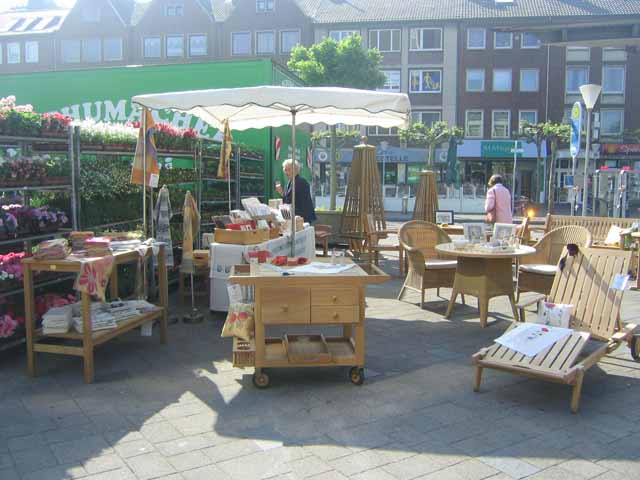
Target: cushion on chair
[
  {"x": 436, "y": 264},
  {"x": 539, "y": 268}
]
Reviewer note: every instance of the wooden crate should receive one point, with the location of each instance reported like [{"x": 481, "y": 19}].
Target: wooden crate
[
  {"x": 244, "y": 353},
  {"x": 241, "y": 237},
  {"x": 307, "y": 348}
]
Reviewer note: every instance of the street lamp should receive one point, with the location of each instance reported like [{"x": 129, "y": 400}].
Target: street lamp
[
  {"x": 590, "y": 94},
  {"x": 515, "y": 150}
]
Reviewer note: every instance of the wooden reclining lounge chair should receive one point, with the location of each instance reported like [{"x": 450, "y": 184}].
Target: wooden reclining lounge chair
[{"x": 585, "y": 282}]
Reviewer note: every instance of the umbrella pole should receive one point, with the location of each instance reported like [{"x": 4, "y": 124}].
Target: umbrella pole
[
  {"x": 293, "y": 183},
  {"x": 194, "y": 316},
  {"x": 144, "y": 171}
]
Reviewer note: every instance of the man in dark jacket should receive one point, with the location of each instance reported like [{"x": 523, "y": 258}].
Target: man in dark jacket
[{"x": 304, "y": 203}]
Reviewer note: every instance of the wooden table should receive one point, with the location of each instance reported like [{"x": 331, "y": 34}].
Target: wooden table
[
  {"x": 88, "y": 340},
  {"x": 454, "y": 229},
  {"x": 306, "y": 300},
  {"x": 483, "y": 275}
]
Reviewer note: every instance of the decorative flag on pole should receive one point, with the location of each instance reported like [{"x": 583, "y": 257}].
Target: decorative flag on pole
[
  {"x": 309, "y": 156},
  {"x": 278, "y": 146},
  {"x": 225, "y": 152},
  {"x": 152, "y": 168}
]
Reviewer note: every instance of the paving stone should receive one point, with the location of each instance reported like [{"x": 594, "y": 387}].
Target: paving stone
[
  {"x": 627, "y": 467},
  {"x": 329, "y": 476},
  {"x": 148, "y": 466},
  {"x": 122, "y": 436},
  {"x": 57, "y": 473},
  {"x": 189, "y": 460},
  {"x": 31, "y": 460},
  {"x": 119, "y": 474},
  {"x": 555, "y": 473},
  {"x": 584, "y": 468},
  {"x": 375, "y": 474},
  {"x": 9, "y": 474},
  {"x": 308, "y": 467},
  {"x": 413, "y": 467},
  {"x": 325, "y": 449},
  {"x": 467, "y": 470},
  {"x": 104, "y": 463},
  {"x": 81, "y": 449},
  {"x": 511, "y": 466},
  {"x": 27, "y": 442},
  {"x": 159, "y": 432},
  {"x": 227, "y": 451},
  {"x": 5, "y": 461},
  {"x": 133, "y": 449},
  {"x": 209, "y": 472}
]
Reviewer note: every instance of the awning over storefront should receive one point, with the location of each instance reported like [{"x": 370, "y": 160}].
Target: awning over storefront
[{"x": 391, "y": 154}]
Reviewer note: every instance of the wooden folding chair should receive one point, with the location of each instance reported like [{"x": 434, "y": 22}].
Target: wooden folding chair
[{"x": 585, "y": 282}]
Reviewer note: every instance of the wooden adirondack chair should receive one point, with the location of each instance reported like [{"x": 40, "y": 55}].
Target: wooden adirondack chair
[{"x": 585, "y": 281}]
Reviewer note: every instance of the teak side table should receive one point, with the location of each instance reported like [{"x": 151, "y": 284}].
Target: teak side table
[
  {"x": 319, "y": 300},
  {"x": 36, "y": 340}
]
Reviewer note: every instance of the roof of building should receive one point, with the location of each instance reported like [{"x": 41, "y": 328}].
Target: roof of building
[
  {"x": 357, "y": 11},
  {"x": 31, "y": 22}
]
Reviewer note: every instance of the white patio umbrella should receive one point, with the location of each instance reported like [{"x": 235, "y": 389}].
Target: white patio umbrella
[{"x": 269, "y": 106}]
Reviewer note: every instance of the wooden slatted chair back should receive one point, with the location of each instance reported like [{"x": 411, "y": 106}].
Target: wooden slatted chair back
[
  {"x": 598, "y": 226},
  {"x": 419, "y": 239},
  {"x": 585, "y": 282}
]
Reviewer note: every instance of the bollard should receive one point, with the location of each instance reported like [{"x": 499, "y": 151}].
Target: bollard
[{"x": 405, "y": 204}]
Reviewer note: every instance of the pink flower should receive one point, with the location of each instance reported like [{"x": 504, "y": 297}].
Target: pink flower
[{"x": 7, "y": 326}]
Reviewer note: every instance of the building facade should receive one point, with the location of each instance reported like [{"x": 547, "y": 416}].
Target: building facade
[{"x": 479, "y": 65}]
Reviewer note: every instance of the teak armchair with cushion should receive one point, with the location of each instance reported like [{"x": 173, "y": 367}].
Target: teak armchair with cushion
[
  {"x": 536, "y": 272},
  {"x": 585, "y": 281},
  {"x": 426, "y": 270}
]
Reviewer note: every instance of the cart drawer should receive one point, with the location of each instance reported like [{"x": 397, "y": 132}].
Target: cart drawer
[
  {"x": 334, "y": 315},
  {"x": 334, "y": 296},
  {"x": 285, "y": 305}
]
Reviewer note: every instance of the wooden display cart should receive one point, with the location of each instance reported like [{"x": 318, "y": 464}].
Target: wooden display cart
[
  {"x": 37, "y": 342},
  {"x": 306, "y": 300}
]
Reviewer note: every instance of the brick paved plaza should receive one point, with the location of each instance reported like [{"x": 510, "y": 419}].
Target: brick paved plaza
[{"x": 181, "y": 411}]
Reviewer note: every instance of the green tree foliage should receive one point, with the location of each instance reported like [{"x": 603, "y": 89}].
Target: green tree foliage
[
  {"x": 339, "y": 64},
  {"x": 421, "y": 135}
]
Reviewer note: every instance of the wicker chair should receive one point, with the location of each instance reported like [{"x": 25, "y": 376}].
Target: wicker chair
[
  {"x": 536, "y": 272},
  {"x": 426, "y": 269}
]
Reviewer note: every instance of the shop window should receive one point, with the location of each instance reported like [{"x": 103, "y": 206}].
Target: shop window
[
  {"x": 152, "y": 47},
  {"x": 265, "y": 43},
  {"x": 425, "y": 81},
  {"x": 174, "y": 9},
  {"x": 241, "y": 43},
  {"x": 13, "y": 53},
  {"x": 576, "y": 76},
  {"x": 385, "y": 40},
  {"x": 197, "y": 45},
  {"x": 613, "y": 79},
  {"x": 474, "y": 123},
  {"x": 530, "y": 40},
  {"x": 476, "y": 38},
  {"x": 92, "y": 50},
  {"x": 71, "y": 51},
  {"x": 392, "y": 81},
  {"x": 175, "y": 46},
  {"x": 339, "y": 35},
  {"x": 502, "y": 80},
  {"x": 475, "y": 80},
  {"x": 425, "y": 39},
  {"x": 611, "y": 122},
  {"x": 529, "y": 80},
  {"x": 527, "y": 117},
  {"x": 112, "y": 49},
  {"x": 502, "y": 40},
  {"x": 500, "y": 123},
  {"x": 31, "y": 54},
  {"x": 288, "y": 40},
  {"x": 382, "y": 132},
  {"x": 427, "y": 118}
]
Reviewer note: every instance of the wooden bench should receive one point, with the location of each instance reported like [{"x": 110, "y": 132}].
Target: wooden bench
[{"x": 599, "y": 228}]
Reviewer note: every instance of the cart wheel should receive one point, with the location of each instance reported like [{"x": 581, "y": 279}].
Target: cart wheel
[
  {"x": 635, "y": 347},
  {"x": 261, "y": 380},
  {"x": 356, "y": 375}
]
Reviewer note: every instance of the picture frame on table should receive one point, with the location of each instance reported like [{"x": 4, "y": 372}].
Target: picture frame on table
[
  {"x": 444, "y": 217},
  {"x": 474, "y": 232},
  {"x": 504, "y": 231}
]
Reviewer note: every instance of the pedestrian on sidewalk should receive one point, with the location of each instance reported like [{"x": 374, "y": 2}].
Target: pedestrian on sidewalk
[{"x": 497, "y": 205}]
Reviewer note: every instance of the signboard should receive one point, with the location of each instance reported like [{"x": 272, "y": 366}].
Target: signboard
[
  {"x": 568, "y": 181},
  {"x": 498, "y": 149},
  {"x": 621, "y": 148},
  {"x": 576, "y": 128}
]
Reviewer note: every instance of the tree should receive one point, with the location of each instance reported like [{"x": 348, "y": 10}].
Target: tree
[
  {"x": 554, "y": 133},
  {"x": 338, "y": 64},
  {"x": 420, "y": 135}
]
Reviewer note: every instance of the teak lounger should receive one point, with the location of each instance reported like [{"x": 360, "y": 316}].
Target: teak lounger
[{"x": 584, "y": 281}]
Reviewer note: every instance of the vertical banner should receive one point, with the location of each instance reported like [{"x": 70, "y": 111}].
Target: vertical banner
[
  {"x": 151, "y": 157},
  {"x": 309, "y": 157},
  {"x": 278, "y": 147},
  {"x": 576, "y": 128}
]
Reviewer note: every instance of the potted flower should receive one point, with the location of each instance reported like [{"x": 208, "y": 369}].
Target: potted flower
[
  {"x": 11, "y": 272},
  {"x": 8, "y": 225},
  {"x": 56, "y": 171},
  {"x": 55, "y": 124}
]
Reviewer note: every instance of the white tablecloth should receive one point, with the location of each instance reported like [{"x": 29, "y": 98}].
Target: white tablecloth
[{"x": 224, "y": 256}]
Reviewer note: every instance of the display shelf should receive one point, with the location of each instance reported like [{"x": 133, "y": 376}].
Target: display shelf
[
  {"x": 215, "y": 202},
  {"x": 8, "y": 139},
  {"x": 251, "y": 177},
  {"x": 31, "y": 238},
  {"x": 36, "y": 188},
  {"x": 53, "y": 281},
  {"x": 218, "y": 180}
]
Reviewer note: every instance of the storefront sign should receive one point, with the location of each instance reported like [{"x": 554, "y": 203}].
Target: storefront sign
[
  {"x": 498, "y": 149},
  {"x": 620, "y": 149}
]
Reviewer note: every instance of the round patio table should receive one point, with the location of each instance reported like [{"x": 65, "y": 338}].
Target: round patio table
[{"x": 484, "y": 275}]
